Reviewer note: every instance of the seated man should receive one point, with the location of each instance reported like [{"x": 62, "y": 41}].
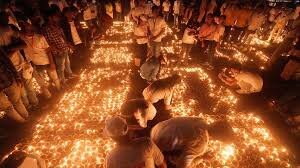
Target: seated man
[
  {"x": 161, "y": 89},
  {"x": 137, "y": 111},
  {"x": 130, "y": 153},
  {"x": 246, "y": 82},
  {"x": 188, "y": 136}
]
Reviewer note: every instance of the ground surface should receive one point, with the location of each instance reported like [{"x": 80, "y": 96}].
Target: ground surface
[{"x": 69, "y": 132}]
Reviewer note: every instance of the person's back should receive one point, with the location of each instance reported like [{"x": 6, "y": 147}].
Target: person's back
[
  {"x": 176, "y": 133},
  {"x": 249, "y": 82},
  {"x": 150, "y": 69},
  {"x": 140, "y": 153}
]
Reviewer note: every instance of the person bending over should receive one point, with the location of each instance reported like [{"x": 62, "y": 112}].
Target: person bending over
[
  {"x": 131, "y": 153},
  {"x": 184, "y": 140},
  {"x": 161, "y": 89},
  {"x": 244, "y": 82}
]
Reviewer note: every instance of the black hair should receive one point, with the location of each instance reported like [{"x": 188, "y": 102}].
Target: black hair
[
  {"x": 3, "y": 18},
  {"x": 223, "y": 16},
  {"x": 14, "y": 160},
  {"x": 130, "y": 106}
]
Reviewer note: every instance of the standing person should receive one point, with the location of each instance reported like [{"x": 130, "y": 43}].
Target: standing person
[
  {"x": 140, "y": 9},
  {"x": 206, "y": 36},
  {"x": 137, "y": 113},
  {"x": 60, "y": 48},
  {"x": 256, "y": 22},
  {"x": 73, "y": 32},
  {"x": 176, "y": 13},
  {"x": 242, "y": 22},
  {"x": 10, "y": 90},
  {"x": 157, "y": 27},
  {"x": 118, "y": 9},
  {"x": 90, "y": 14},
  {"x": 141, "y": 36},
  {"x": 39, "y": 54},
  {"x": 185, "y": 139},
  {"x": 166, "y": 9},
  {"x": 162, "y": 89},
  {"x": 243, "y": 81},
  {"x": 188, "y": 40},
  {"x": 220, "y": 30},
  {"x": 129, "y": 153},
  {"x": 12, "y": 43}
]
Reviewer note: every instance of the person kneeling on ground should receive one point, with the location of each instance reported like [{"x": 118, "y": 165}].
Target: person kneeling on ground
[
  {"x": 129, "y": 153},
  {"x": 246, "y": 82},
  {"x": 137, "y": 111},
  {"x": 184, "y": 140},
  {"x": 162, "y": 89}
]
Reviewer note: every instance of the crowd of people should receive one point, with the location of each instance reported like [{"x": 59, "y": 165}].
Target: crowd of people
[{"x": 42, "y": 43}]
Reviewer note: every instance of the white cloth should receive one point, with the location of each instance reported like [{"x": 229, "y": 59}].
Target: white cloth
[
  {"x": 90, "y": 12},
  {"x": 156, "y": 25},
  {"x": 141, "y": 153},
  {"x": 139, "y": 32},
  {"x": 74, "y": 32},
  {"x": 166, "y": 6},
  {"x": 186, "y": 134},
  {"x": 219, "y": 33},
  {"x": 153, "y": 95},
  {"x": 176, "y": 7},
  {"x": 7, "y": 35},
  {"x": 249, "y": 82},
  {"x": 36, "y": 49},
  {"x": 188, "y": 39}
]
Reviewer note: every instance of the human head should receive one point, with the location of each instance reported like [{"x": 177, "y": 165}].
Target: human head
[
  {"x": 209, "y": 18},
  {"x": 140, "y": 109},
  {"x": 222, "y": 19},
  {"x": 70, "y": 13},
  {"x": 235, "y": 71},
  {"x": 155, "y": 11},
  {"x": 116, "y": 128},
  {"x": 53, "y": 16},
  {"x": 221, "y": 131},
  {"x": 4, "y": 4},
  {"x": 4, "y": 19},
  {"x": 27, "y": 28}
]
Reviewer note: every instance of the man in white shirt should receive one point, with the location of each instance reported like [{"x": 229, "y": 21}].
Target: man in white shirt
[
  {"x": 166, "y": 9},
  {"x": 185, "y": 139},
  {"x": 130, "y": 153},
  {"x": 244, "y": 82},
  {"x": 162, "y": 89},
  {"x": 188, "y": 40},
  {"x": 157, "y": 27},
  {"x": 38, "y": 53}
]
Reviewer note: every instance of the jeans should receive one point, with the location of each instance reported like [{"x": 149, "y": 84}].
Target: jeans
[
  {"x": 12, "y": 104},
  {"x": 63, "y": 64},
  {"x": 38, "y": 74},
  {"x": 155, "y": 48},
  {"x": 28, "y": 93}
]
